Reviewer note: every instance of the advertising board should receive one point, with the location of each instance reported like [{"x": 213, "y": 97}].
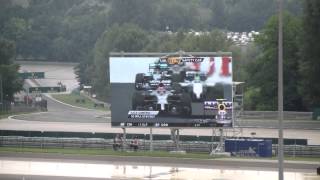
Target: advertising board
[
  {"x": 171, "y": 91},
  {"x": 31, "y": 75}
]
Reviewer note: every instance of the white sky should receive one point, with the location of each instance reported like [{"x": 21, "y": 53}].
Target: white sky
[{"x": 124, "y": 69}]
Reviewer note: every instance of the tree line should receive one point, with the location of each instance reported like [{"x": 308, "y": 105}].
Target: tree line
[
  {"x": 85, "y": 31},
  {"x": 301, "y": 63}
]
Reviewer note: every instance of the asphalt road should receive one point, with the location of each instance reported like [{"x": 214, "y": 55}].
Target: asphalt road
[
  {"x": 252, "y": 164},
  {"x": 54, "y": 73},
  {"x": 57, "y": 166},
  {"x": 58, "y": 112},
  {"x": 38, "y": 177}
]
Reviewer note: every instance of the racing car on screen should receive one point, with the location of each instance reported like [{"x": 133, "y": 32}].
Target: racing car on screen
[
  {"x": 157, "y": 74},
  {"x": 165, "y": 100},
  {"x": 195, "y": 83},
  {"x": 178, "y": 66},
  {"x": 222, "y": 111}
]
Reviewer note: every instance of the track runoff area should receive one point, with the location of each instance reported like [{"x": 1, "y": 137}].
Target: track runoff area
[{"x": 176, "y": 90}]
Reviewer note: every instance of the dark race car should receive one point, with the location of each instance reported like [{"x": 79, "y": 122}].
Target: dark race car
[
  {"x": 167, "y": 102},
  {"x": 157, "y": 74}
]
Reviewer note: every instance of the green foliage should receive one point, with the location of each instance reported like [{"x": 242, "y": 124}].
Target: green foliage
[
  {"x": 263, "y": 72},
  {"x": 139, "y": 12},
  {"x": 72, "y": 100},
  {"x": 131, "y": 38},
  {"x": 127, "y": 38},
  {"x": 210, "y": 41},
  {"x": 310, "y": 53},
  {"x": 8, "y": 70},
  {"x": 86, "y": 31},
  {"x": 68, "y": 30},
  {"x": 15, "y": 29}
]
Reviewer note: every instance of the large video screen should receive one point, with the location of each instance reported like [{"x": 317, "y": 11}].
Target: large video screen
[{"x": 171, "y": 91}]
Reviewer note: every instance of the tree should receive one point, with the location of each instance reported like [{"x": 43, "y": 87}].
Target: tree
[
  {"x": 310, "y": 53},
  {"x": 262, "y": 73},
  {"x": 139, "y": 12},
  {"x": 127, "y": 38},
  {"x": 8, "y": 70},
  {"x": 15, "y": 29}
]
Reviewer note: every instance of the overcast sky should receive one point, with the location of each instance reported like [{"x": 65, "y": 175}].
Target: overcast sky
[{"x": 124, "y": 69}]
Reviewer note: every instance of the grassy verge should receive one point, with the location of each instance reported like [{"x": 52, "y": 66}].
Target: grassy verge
[
  {"x": 110, "y": 152},
  {"x": 4, "y": 115},
  {"x": 77, "y": 100},
  {"x": 287, "y": 158}
]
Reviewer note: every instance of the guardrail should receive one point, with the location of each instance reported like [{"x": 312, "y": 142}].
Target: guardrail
[
  {"x": 96, "y": 143},
  {"x": 290, "y": 115},
  {"x": 9, "y": 107},
  {"x": 144, "y": 144},
  {"x": 299, "y": 151}
]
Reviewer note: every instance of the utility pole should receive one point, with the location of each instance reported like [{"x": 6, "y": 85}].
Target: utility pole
[
  {"x": 1, "y": 91},
  {"x": 280, "y": 90}
]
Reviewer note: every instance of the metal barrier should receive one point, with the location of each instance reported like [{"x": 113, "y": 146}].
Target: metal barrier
[
  {"x": 8, "y": 107},
  {"x": 291, "y": 115},
  {"x": 97, "y": 143},
  {"x": 144, "y": 144},
  {"x": 299, "y": 151}
]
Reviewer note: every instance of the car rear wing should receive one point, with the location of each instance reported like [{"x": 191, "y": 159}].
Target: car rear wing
[
  {"x": 162, "y": 66},
  {"x": 216, "y": 105}
]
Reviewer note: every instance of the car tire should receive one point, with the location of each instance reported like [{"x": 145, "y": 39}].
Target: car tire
[
  {"x": 137, "y": 101},
  {"x": 139, "y": 80},
  {"x": 186, "y": 105}
]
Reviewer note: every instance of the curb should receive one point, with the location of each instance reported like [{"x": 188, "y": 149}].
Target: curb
[
  {"x": 77, "y": 107},
  {"x": 12, "y": 117}
]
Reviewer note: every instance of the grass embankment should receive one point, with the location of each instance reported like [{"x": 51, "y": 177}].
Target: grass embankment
[
  {"x": 4, "y": 115},
  {"x": 110, "y": 152},
  {"x": 78, "y": 100}
]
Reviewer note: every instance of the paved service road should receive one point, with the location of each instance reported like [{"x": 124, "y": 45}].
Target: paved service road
[
  {"x": 54, "y": 73},
  {"x": 48, "y": 166},
  {"x": 58, "y": 112}
]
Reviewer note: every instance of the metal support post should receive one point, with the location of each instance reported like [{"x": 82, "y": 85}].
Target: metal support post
[
  {"x": 124, "y": 142},
  {"x": 151, "y": 140},
  {"x": 1, "y": 91},
  {"x": 177, "y": 140},
  {"x": 212, "y": 140},
  {"x": 221, "y": 140},
  {"x": 219, "y": 148},
  {"x": 280, "y": 90}
]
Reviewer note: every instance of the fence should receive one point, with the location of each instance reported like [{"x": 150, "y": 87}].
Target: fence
[
  {"x": 96, "y": 143},
  {"x": 274, "y": 115},
  {"x": 144, "y": 144},
  {"x": 5, "y": 106},
  {"x": 8, "y": 107}
]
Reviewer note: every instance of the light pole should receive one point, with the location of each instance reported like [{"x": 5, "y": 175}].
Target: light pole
[
  {"x": 280, "y": 91},
  {"x": 1, "y": 91}
]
